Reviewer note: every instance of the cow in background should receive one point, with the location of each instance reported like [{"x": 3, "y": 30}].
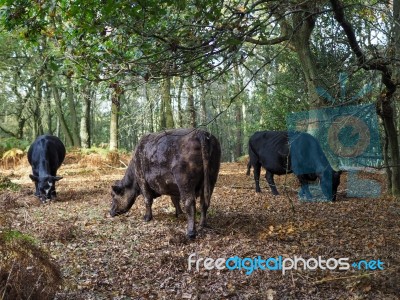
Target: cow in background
[
  {"x": 304, "y": 157},
  {"x": 181, "y": 163},
  {"x": 46, "y": 155}
]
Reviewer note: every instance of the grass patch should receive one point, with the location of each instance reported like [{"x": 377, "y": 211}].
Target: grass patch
[{"x": 7, "y": 184}]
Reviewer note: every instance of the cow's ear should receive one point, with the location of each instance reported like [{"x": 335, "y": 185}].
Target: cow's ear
[
  {"x": 117, "y": 189},
  {"x": 57, "y": 178},
  {"x": 34, "y": 178}
]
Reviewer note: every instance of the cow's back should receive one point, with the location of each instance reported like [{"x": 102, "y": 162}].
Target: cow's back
[
  {"x": 306, "y": 154},
  {"x": 47, "y": 148},
  {"x": 271, "y": 150},
  {"x": 166, "y": 161}
]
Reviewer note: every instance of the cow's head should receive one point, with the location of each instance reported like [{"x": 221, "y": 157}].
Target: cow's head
[
  {"x": 123, "y": 198},
  {"x": 45, "y": 186}
]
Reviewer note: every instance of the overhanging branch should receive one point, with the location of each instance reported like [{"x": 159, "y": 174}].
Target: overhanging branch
[{"x": 372, "y": 64}]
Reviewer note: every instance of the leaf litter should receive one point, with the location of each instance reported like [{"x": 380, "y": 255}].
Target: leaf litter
[{"x": 126, "y": 258}]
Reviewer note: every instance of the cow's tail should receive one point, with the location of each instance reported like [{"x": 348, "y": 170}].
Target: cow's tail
[{"x": 205, "y": 153}]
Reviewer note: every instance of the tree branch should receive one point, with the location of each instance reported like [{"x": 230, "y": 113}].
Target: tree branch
[
  {"x": 8, "y": 131},
  {"x": 274, "y": 41},
  {"x": 373, "y": 64}
]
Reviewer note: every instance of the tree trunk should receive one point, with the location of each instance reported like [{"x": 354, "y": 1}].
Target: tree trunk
[
  {"x": 22, "y": 101},
  {"x": 238, "y": 115},
  {"x": 60, "y": 114},
  {"x": 85, "y": 117},
  {"x": 190, "y": 103},
  {"x": 72, "y": 110},
  {"x": 203, "y": 107},
  {"x": 386, "y": 159},
  {"x": 303, "y": 25},
  {"x": 167, "y": 103},
  {"x": 386, "y": 112},
  {"x": 392, "y": 133},
  {"x": 37, "y": 122},
  {"x": 179, "y": 100},
  {"x": 47, "y": 112},
  {"x": 115, "y": 109},
  {"x": 151, "y": 107}
]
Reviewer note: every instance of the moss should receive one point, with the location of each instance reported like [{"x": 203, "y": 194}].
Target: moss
[
  {"x": 7, "y": 184},
  {"x": 12, "y": 235}
]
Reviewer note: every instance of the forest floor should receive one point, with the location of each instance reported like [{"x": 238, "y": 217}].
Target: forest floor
[{"x": 126, "y": 258}]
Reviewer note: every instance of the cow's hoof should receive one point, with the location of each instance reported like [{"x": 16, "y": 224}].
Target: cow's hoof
[
  {"x": 147, "y": 218},
  {"x": 191, "y": 235}
]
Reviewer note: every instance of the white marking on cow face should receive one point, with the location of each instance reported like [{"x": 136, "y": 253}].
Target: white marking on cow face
[{"x": 50, "y": 184}]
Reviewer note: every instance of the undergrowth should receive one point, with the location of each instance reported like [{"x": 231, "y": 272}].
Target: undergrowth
[{"x": 26, "y": 271}]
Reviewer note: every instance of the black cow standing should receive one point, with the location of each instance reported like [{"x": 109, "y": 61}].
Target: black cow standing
[
  {"x": 304, "y": 157},
  {"x": 46, "y": 155},
  {"x": 181, "y": 163}
]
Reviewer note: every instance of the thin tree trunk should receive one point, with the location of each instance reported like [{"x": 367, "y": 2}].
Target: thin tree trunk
[
  {"x": 190, "y": 103},
  {"x": 203, "y": 107},
  {"x": 47, "y": 113},
  {"x": 163, "y": 119},
  {"x": 115, "y": 109},
  {"x": 60, "y": 114},
  {"x": 179, "y": 100},
  {"x": 37, "y": 122},
  {"x": 71, "y": 106},
  {"x": 22, "y": 101},
  {"x": 167, "y": 103},
  {"x": 238, "y": 116},
  {"x": 151, "y": 106},
  {"x": 85, "y": 117}
]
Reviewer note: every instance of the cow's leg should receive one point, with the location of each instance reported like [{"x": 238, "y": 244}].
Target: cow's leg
[
  {"x": 35, "y": 180},
  {"x": 257, "y": 171},
  {"x": 190, "y": 207},
  {"x": 248, "y": 168},
  {"x": 326, "y": 187},
  {"x": 204, "y": 208},
  {"x": 149, "y": 213},
  {"x": 304, "y": 190},
  {"x": 270, "y": 179},
  {"x": 36, "y": 189},
  {"x": 176, "y": 202}
]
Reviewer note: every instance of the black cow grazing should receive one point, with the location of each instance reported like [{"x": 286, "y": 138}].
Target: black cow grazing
[
  {"x": 46, "y": 155},
  {"x": 181, "y": 163},
  {"x": 304, "y": 157}
]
